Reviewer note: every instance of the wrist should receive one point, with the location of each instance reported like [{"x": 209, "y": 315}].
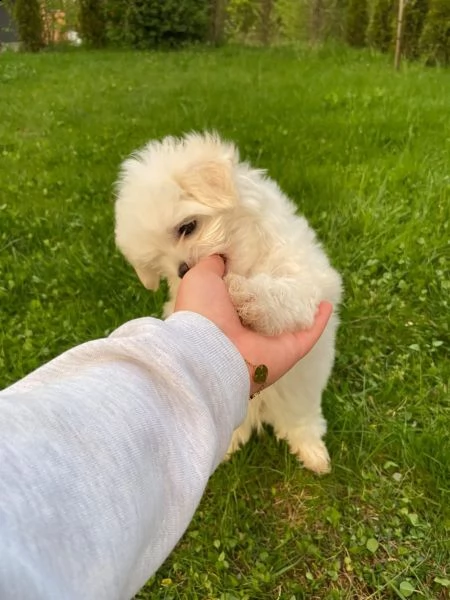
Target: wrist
[
  {"x": 203, "y": 327},
  {"x": 258, "y": 377},
  {"x": 250, "y": 352}
]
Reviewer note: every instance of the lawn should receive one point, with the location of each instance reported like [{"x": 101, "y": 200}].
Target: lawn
[{"x": 365, "y": 153}]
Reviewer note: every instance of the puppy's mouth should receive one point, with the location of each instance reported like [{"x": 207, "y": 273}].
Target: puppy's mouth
[{"x": 184, "y": 267}]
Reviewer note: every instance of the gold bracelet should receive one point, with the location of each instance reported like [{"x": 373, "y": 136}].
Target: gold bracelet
[{"x": 260, "y": 374}]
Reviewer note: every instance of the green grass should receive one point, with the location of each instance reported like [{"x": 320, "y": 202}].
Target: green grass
[{"x": 365, "y": 154}]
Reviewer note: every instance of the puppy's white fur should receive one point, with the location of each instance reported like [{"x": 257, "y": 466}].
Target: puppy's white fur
[{"x": 277, "y": 270}]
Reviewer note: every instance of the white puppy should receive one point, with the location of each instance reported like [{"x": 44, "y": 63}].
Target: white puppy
[{"x": 179, "y": 200}]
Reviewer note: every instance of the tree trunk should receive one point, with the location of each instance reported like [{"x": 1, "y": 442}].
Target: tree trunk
[
  {"x": 316, "y": 20},
  {"x": 398, "y": 43},
  {"x": 218, "y": 18},
  {"x": 266, "y": 21}
]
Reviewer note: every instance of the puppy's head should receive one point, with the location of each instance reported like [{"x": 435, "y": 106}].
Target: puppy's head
[{"x": 174, "y": 199}]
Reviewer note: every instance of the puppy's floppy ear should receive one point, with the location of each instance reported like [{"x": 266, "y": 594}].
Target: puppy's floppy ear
[
  {"x": 149, "y": 278},
  {"x": 211, "y": 183}
]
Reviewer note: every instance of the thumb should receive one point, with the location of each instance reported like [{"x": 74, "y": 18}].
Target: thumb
[
  {"x": 213, "y": 264},
  {"x": 306, "y": 339}
]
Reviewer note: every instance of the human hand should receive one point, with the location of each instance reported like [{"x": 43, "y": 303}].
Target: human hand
[{"x": 202, "y": 290}]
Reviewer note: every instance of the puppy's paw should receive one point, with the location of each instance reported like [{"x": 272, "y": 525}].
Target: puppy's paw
[
  {"x": 306, "y": 313},
  {"x": 270, "y": 306},
  {"x": 239, "y": 290},
  {"x": 314, "y": 456},
  {"x": 245, "y": 301}
]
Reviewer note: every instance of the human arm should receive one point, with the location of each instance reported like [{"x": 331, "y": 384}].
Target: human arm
[
  {"x": 106, "y": 450},
  {"x": 105, "y": 453}
]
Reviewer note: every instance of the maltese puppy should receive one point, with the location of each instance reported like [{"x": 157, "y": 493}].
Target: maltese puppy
[{"x": 179, "y": 200}]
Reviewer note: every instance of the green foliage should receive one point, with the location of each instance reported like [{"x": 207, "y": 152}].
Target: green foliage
[
  {"x": 92, "y": 22},
  {"x": 435, "y": 40},
  {"x": 414, "y": 19},
  {"x": 290, "y": 19},
  {"x": 266, "y": 24},
  {"x": 356, "y": 24},
  {"x": 336, "y": 16},
  {"x": 117, "y": 22},
  {"x": 242, "y": 19},
  {"x": 154, "y": 24},
  {"x": 70, "y": 8},
  {"x": 380, "y": 33},
  {"x": 364, "y": 154},
  {"x": 266, "y": 21},
  {"x": 173, "y": 23},
  {"x": 27, "y": 15}
]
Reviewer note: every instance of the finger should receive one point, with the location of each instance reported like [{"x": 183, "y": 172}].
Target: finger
[
  {"x": 308, "y": 338},
  {"x": 214, "y": 264},
  {"x": 324, "y": 313}
]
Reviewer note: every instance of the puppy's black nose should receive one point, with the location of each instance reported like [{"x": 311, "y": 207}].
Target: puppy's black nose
[{"x": 182, "y": 270}]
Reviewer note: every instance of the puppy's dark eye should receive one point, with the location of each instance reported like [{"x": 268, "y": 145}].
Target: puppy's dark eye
[{"x": 187, "y": 228}]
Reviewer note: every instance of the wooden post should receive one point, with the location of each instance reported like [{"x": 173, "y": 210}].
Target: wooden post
[{"x": 398, "y": 43}]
